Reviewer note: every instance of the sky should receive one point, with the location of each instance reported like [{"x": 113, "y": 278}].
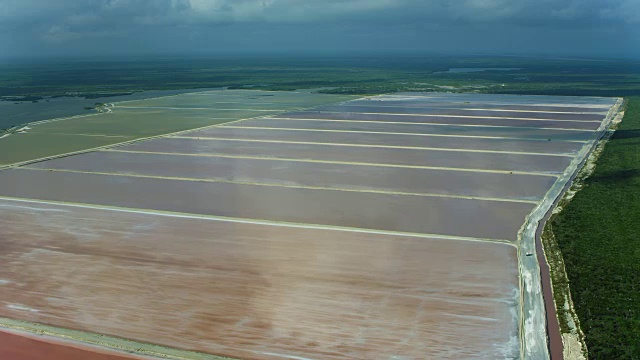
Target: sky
[{"x": 583, "y": 28}]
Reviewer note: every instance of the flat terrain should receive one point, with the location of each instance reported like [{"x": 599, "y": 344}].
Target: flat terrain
[
  {"x": 23, "y": 346},
  {"x": 21, "y": 112},
  {"x": 485, "y": 130},
  {"x": 251, "y": 290},
  {"x": 131, "y": 120},
  {"x": 366, "y": 73},
  {"x": 597, "y": 233},
  {"x": 282, "y": 241}
]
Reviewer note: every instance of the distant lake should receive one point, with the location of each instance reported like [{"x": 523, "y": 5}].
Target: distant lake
[
  {"x": 21, "y": 112},
  {"x": 472, "y": 70}
]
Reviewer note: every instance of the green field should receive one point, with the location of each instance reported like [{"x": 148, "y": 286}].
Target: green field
[
  {"x": 17, "y": 148},
  {"x": 151, "y": 117},
  {"x": 597, "y": 233},
  {"x": 141, "y": 122}
]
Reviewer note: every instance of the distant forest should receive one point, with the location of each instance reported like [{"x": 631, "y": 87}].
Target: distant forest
[{"x": 374, "y": 74}]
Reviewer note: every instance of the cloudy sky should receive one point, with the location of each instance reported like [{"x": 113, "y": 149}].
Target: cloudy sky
[{"x": 603, "y": 28}]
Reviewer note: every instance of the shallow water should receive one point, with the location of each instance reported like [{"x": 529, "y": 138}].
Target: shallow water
[
  {"x": 326, "y": 175},
  {"x": 249, "y": 283},
  {"x": 249, "y": 290},
  {"x": 21, "y": 112}
]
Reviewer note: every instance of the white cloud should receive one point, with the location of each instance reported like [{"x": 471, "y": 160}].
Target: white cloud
[
  {"x": 625, "y": 10},
  {"x": 214, "y": 11},
  {"x": 69, "y": 20},
  {"x": 57, "y": 33}
]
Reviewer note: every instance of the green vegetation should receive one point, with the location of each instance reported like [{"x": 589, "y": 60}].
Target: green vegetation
[
  {"x": 22, "y": 147},
  {"x": 597, "y": 233},
  {"x": 139, "y": 122},
  {"x": 365, "y": 74}
]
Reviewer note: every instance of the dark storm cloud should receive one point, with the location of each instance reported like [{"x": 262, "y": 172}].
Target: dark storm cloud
[{"x": 582, "y": 27}]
